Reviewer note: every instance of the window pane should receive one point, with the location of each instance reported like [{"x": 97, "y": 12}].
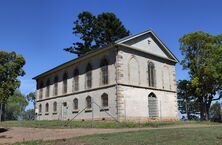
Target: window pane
[
  {"x": 75, "y": 104},
  {"x": 88, "y": 102}
]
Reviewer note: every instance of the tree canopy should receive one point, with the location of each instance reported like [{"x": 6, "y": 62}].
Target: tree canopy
[
  {"x": 203, "y": 59},
  {"x": 15, "y": 106},
  {"x": 187, "y": 103},
  {"x": 96, "y": 31},
  {"x": 216, "y": 112},
  {"x": 10, "y": 69}
]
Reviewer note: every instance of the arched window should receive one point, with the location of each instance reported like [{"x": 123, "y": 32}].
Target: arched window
[
  {"x": 75, "y": 104},
  {"x": 152, "y": 105},
  {"x": 40, "y": 108},
  {"x": 104, "y": 71},
  {"x": 76, "y": 80},
  {"x": 151, "y": 74},
  {"x": 55, "y": 106},
  {"x": 46, "y": 107},
  {"x": 88, "y": 102},
  {"x": 56, "y": 86},
  {"x": 41, "y": 90},
  {"x": 104, "y": 99},
  {"x": 133, "y": 71},
  {"x": 47, "y": 88},
  {"x": 65, "y": 77},
  {"x": 89, "y": 76}
]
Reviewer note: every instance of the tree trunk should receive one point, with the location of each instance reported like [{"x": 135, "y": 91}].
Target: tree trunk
[
  {"x": 4, "y": 112},
  {"x": 208, "y": 109},
  {"x": 187, "y": 110},
  {"x": 201, "y": 107},
  {"x": 0, "y": 112}
]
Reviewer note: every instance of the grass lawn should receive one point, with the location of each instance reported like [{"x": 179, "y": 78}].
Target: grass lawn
[
  {"x": 189, "y": 136},
  {"x": 95, "y": 124}
]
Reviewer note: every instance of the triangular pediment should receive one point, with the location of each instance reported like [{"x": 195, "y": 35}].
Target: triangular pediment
[{"x": 148, "y": 42}]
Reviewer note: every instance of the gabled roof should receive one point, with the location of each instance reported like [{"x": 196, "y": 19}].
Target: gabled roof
[
  {"x": 119, "y": 42},
  {"x": 125, "y": 39}
]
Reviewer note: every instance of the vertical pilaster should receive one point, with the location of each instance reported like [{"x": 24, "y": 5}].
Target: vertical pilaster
[{"x": 119, "y": 89}]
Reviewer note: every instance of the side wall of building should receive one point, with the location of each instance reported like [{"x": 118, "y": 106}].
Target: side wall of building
[
  {"x": 95, "y": 91},
  {"x": 134, "y": 87},
  {"x": 68, "y": 112}
]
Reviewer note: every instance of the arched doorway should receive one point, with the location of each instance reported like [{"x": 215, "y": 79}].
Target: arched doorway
[{"x": 152, "y": 105}]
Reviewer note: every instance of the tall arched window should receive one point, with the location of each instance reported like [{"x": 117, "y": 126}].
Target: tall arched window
[
  {"x": 152, "y": 105},
  {"x": 88, "y": 102},
  {"x": 75, "y": 104},
  {"x": 55, "y": 107},
  {"x": 133, "y": 71},
  {"x": 56, "y": 86},
  {"x": 65, "y": 77},
  {"x": 104, "y": 99},
  {"x": 151, "y": 74},
  {"x": 76, "y": 80},
  {"x": 104, "y": 71},
  {"x": 41, "y": 90},
  {"x": 40, "y": 108},
  {"x": 47, "y": 107},
  {"x": 89, "y": 76},
  {"x": 47, "y": 88}
]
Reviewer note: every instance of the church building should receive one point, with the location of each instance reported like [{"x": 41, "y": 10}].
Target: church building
[{"x": 132, "y": 80}]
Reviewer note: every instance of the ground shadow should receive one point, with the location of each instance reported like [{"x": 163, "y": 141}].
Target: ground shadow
[{"x": 3, "y": 130}]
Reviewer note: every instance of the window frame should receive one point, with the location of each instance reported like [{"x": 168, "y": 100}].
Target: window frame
[
  {"x": 55, "y": 91},
  {"x": 104, "y": 76},
  {"x": 41, "y": 90},
  {"x": 105, "y": 100},
  {"x": 40, "y": 108},
  {"x": 47, "y": 94},
  {"x": 88, "y": 102},
  {"x": 75, "y": 80},
  {"x": 153, "y": 97},
  {"x": 89, "y": 76},
  {"x": 55, "y": 106},
  {"x": 65, "y": 83},
  {"x": 151, "y": 74},
  {"x": 47, "y": 107},
  {"x": 75, "y": 104}
]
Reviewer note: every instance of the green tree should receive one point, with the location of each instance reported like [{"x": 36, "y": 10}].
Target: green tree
[
  {"x": 15, "y": 106},
  {"x": 29, "y": 114},
  {"x": 202, "y": 58},
  {"x": 216, "y": 112},
  {"x": 10, "y": 69},
  {"x": 187, "y": 103},
  {"x": 96, "y": 32},
  {"x": 31, "y": 97},
  {"x": 109, "y": 29}
]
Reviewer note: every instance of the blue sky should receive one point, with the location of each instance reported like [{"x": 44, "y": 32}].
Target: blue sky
[{"x": 40, "y": 29}]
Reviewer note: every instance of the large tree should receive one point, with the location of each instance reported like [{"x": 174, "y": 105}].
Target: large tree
[
  {"x": 203, "y": 60},
  {"x": 216, "y": 112},
  {"x": 10, "y": 69},
  {"x": 15, "y": 106},
  {"x": 187, "y": 102},
  {"x": 96, "y": 31}
]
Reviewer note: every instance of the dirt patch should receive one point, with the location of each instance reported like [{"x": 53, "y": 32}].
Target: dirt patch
[{"x": 18, "y": 134}]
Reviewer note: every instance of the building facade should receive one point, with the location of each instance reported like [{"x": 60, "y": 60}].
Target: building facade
[{"x": 134, "y": 79}]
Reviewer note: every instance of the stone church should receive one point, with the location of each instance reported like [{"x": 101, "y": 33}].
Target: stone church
[{"x": 134, "y": 79}]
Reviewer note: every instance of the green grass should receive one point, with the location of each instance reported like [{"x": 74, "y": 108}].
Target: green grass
[
  {"x": 95, "y": 124},
  {"x": 189, "y": 136}
]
